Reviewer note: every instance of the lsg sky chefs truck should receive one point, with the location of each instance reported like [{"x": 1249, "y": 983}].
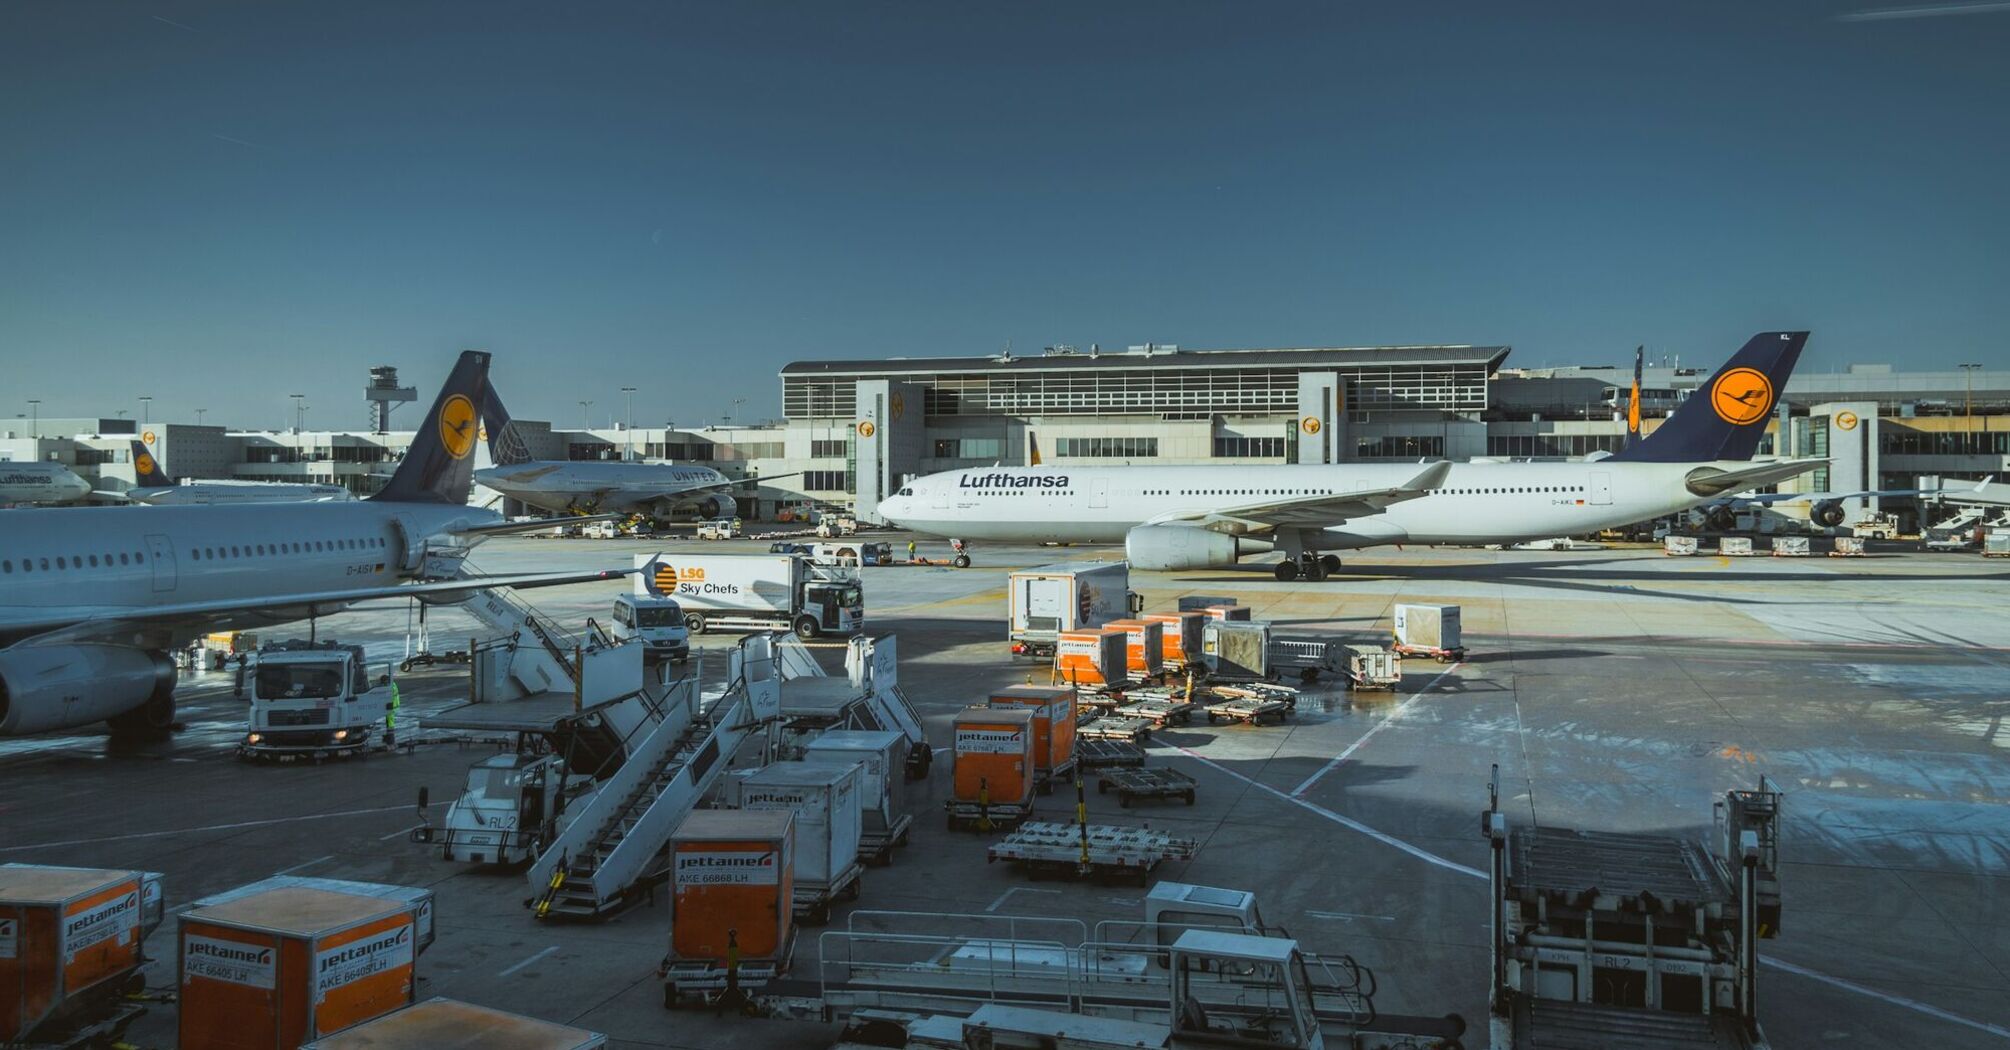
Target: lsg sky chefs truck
[
  {"x": 1072, "y": 596},
  {"x": 753, "y": 592}
]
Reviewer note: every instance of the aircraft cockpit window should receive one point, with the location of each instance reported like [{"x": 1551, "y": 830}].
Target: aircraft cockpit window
[{"x": 907, "y": 491}]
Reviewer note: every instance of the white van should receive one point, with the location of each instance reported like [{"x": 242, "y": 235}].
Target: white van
[{"x": 658, "y": 622}]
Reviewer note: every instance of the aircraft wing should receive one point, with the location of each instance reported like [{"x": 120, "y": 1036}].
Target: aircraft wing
[
  {"x": 1825, "y": 497},
  {"x": 61, "y": 624},
  {"x": 1709, "y": 481},
  {"x": 726, "y": 484},
  {"x": 1310, "y": 512},
  {"x": 505, "y": 528}
]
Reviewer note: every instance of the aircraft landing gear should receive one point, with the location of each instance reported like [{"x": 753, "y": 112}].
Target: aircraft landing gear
[
  {"x": 1285, "y": 570},
  {"x": 961, "y": 558},
  {"x": 1306, "y": 566},
  {"x": 1331, "y": 562}
]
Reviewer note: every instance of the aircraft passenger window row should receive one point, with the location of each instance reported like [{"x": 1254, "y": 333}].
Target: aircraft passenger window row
[
  {"x": 72, "y": 561},
  {"x": 1513, "y": 489},
  {"x": 257, "y": 550},
  {"x": 1240, "y": 492}
]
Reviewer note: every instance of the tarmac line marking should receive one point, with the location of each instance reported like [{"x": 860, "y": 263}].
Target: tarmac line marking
[
  {"x": 1007, "y": 895},
  {"x": 1346, "y": 822},
  {"x": 1895, "y": 1000},
  {"x": 1376, "y": 728},
  {"x": 1349, "y": 916},
  {"x": 307, "y": 864},
  {"x": 528, "y": 961},
  {"x": 211, "y": 827},
  {"x": 401, "y": 831}
]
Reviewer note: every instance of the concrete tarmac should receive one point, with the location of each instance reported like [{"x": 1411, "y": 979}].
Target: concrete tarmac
[{"x": 1617, "y": 689}]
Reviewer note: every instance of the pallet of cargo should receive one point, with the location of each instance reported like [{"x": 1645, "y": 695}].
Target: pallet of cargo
[
  {"x": 1131, "y": 730},
  {"x": 1049, "y": 848},
  {"x": 1133, "y": 784},
  {"x": 1251, "y": 710},
  {"x": 980, "y": 816},
  {"x": 812, "y": 903},
  {"x": 1108, "y": 754},
  {"x": 1171, "y": 711},
  {"x": 1090, "y": 704}
]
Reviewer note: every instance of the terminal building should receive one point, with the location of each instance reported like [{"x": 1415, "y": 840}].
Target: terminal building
[{"x": 852, "y": 431}]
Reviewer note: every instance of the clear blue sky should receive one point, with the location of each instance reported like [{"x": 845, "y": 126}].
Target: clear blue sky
[{"x": 219, "y": 204}]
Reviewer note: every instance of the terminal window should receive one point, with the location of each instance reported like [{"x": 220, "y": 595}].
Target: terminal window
[
  {"x": 967, "y": 448},
  {"x": 827, "y": 481},
  {"x": 1108, "y": 447},
  {"x": 1233, "y": 446},
  {"x": 829, "y": 449},
  {"x": 1396, "y": 446}
]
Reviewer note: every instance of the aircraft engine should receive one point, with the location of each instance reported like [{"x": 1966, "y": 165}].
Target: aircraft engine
[
  {"x": 45, "y": 687},
  {"x": 1186, "y": 547},
  {"x": 1828, "y": 514},
  {"x": 710, "y": 508}
]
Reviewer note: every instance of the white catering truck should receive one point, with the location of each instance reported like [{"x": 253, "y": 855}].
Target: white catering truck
[
  {"x": 1071, "y": 596},
  {"x": 311, "y": 700},
  {"x": 752, "y": 592}
]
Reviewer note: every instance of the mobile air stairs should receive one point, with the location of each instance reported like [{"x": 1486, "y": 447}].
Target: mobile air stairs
[
  {"x": 612, "y": 849},
  {"x": 868, "y": 697}
]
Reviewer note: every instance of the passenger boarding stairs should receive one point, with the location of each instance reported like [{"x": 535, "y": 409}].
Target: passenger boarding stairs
[
  {"x": 530, "y": 652},
  {"x": 613, "y": 848}
]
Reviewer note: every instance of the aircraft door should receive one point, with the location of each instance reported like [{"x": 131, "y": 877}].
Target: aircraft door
[
  {"x": 1099, "y": 492},
  {"x": 160, "y": 553},
  {"x": 1601, "y": 489},
  {"x": 939, "y": 499}
]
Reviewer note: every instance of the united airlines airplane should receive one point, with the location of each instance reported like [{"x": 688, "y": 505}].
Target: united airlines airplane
[
  {"x": 92, "y": 600},
  {"x": 1191, "y": 517}
]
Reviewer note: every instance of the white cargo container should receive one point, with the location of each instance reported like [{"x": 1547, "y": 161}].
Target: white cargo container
[
  {"x": 1075, "y": 596},
  {"x": 1735, "y": 546},
  {"x": 1679, "y": 546},
  {"x": 1429, "y": 630},
  {"x": 754, "y": 592},
  {"x": 886, "y": 811},
  {"x": 824, "y": 798},
  {"x": 1790, "y": 546}
]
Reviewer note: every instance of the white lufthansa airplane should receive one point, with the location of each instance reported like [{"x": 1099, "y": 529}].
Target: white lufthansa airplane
[
  {"x": 596, "y": 487},
  {"x": 1191, "y": 517},
  {"x": 155, "y": 487},
  {"x": 92, "y": 600},
  {"x": 40, "y": 483}
]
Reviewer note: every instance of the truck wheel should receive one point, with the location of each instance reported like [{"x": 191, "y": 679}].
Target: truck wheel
[
  {"x": 694, "y": 623},
  {"x": 806, "y": 628}
]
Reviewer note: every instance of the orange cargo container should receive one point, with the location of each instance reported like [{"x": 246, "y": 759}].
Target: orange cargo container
[
  {"x": 69, "y": 941},
  {"x": 1144, "y": 647},
  {"x": 993, "y": 757},
  {"x": 1053, "y": 708},
  {"x": 1091, "y": 658},
  {"x": 1179, "y": 641},
  {"x": 439, "y": 1023},
  {"x": 271, "y": 967},
  {"x": 1228, "y": 612},
  {"x": 732, "y": 870}
]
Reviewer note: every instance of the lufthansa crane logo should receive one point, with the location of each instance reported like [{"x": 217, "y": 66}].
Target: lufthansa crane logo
[
  {"x": 1310, "y": 425},
  {"x": 1741, "y": 396},
  {"x": 147, "y": 437},
  {"x": 897, "y": 404},
  {"x": 144, "y": 464},
  {"x": 457, "y": 426},
  {"x": 1846, "y": 420},
  {"x": 866, "y": 429}
]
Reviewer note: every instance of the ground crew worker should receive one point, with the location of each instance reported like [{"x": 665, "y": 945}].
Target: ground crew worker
[
  {"x": 391, "y": 718},
  {"x": 910, "y": 552}
]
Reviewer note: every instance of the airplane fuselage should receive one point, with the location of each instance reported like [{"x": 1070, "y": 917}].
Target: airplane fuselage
[
  {"x": 598, "y": 485},
  {"x": 40, "y": 483},
  {"x": 95, "y": 563},
  {"x": 1478, "y": 502},
  {"x": 200, "y": 493}
]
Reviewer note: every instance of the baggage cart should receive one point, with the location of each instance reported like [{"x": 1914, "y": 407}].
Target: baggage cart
[
  {"x": 1371, "y": 668},
  {"x": 1847, "y": 547},
  {"x": 1129, "y": 730},
  {"x": 1735, "y": 546},
  {"x": 71, "y": 951},
  {"x": 1091, "y": 851},
  {"x": 440, "y": 1022},
  {"x": 1109, "y": 754},
  {"x": 1248, "y": 709},
  {"x": 1790, "y": 546},
  {"x": 1429, "y": 630},
  {"x": 1133, "y": 784},
  {"x": 1169, "y": 711},
  {"x": 732, "y": 903},
  {"x": 1679, "y": 546}
]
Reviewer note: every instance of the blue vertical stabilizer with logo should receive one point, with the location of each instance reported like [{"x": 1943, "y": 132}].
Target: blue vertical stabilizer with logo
[
  {"x": 440, "y": 465},
  {"x": 1726, "y": 416},
  {"x": 147, "y": 472},
  {"x": 506, "y": 445}
]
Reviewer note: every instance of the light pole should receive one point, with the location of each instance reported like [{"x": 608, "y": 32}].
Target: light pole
[
  {"x": 584, "y": 423},
  {"x": 299, "y": 412},
  {"x": 35, "y": 418},
  {"x": 629, "y": 453},
  {"x": 199, "y": 413},
  {"x": 146, "y": 410},
  {"x": 737, "y": 402},
  {"x": 1968, "y": 408}
]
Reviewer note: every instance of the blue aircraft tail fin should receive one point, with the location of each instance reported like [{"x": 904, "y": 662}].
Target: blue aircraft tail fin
[
  {"x": 1726, "y": 416},
  {"x": 439, "y": 467},
  {"x": 147, "y": 471}
]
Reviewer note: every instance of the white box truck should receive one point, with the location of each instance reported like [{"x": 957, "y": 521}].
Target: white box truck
[
  {"x": 755, "y": 592},
  {"x": 1071, "y": 596}
]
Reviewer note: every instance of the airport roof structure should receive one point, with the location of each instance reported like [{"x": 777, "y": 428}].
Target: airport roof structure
[{"x": 1308, "y": 358}]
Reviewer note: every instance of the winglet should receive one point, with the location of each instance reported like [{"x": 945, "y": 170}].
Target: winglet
[
  {"x": 1430, "y": 478},
  {"x": 439, "y": 467},
  {"x": 147, "y": 472},
  {"x": 1726, "y": 417}
]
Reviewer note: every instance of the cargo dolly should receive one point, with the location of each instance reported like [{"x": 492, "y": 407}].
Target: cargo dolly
[
  {"x": 1170, "y": 711},
  {"x": 1108, "y": 754},
  {"x": 1443, "y": 656},
  {"x": 984, "y": 816},
  {"x": 1045, "y": 779},
  {"x": 1129, "y": 730},
  {"x": 1091, "y": 850},
  {"x": 812, "y": 903},
  {"x": 1134, "y": 784},
  {"x": 876, "y": 848},
  {"x": 1252, "y": 710},
  {"x": 698, "y": 982}
]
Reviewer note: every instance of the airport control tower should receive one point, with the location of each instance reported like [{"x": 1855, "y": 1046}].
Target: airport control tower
[{"x": 384, "y": 394}]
